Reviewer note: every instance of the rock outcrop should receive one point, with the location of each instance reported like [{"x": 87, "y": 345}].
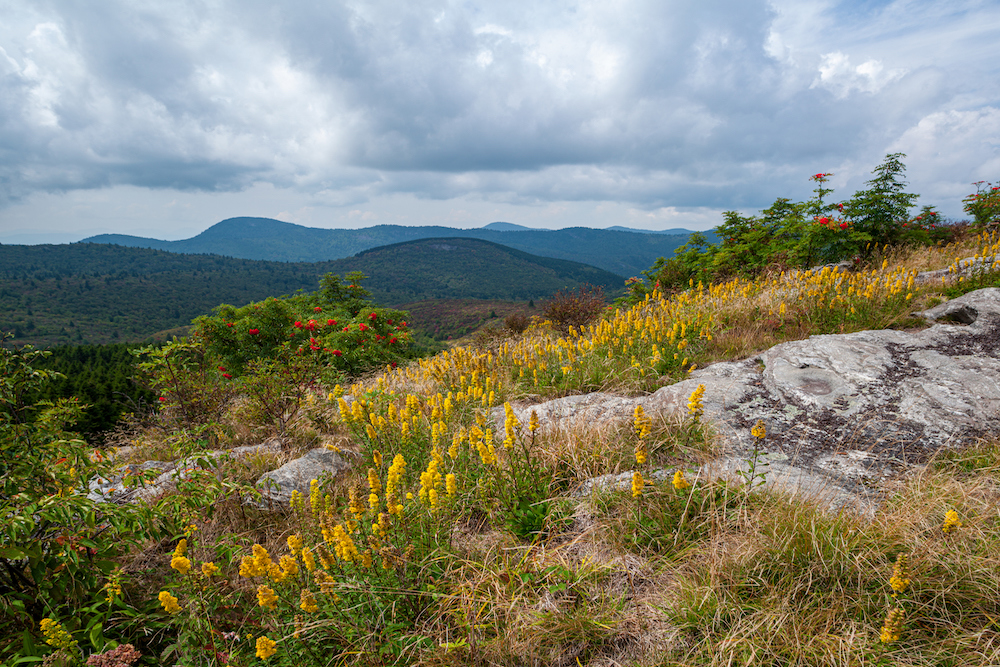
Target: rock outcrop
[
  {"x": 843, "y": 412},
  {"x": 320, "y": 464}
]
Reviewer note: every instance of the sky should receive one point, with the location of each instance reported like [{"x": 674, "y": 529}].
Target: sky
[{"x": 160, "y": 118}]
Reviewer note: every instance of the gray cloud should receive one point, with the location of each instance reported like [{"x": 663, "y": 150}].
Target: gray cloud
[{"x": 648, "y": 103}]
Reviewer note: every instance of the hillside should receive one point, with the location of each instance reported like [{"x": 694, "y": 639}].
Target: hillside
[
  {"x": 94, "y": 293},
  {"x": 620, "y": 251}
]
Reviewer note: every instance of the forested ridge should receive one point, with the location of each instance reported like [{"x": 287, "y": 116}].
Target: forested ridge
[{"x": 94, "y": 293}]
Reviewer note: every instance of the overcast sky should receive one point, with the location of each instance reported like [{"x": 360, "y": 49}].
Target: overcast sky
[{"x": 160, "y": 118}]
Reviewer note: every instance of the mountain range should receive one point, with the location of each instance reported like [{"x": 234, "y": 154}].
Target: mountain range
[
  {"x": 621, "y": 251},
  {"x": 95, "y": 293}
]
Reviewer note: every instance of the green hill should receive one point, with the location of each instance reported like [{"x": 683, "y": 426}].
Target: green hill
[
  {"x": 94, "y": 293},
  {"x": 623, "y": 252}
]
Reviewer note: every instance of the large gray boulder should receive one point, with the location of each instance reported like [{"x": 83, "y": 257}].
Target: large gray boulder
[{"x": 320, "y": 464}]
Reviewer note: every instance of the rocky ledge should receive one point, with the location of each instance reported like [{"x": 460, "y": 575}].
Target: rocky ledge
[{"x": 843, "y": 412}]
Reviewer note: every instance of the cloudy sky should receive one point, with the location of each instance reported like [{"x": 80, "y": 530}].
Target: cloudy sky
[{"x": 162, "y": 117}]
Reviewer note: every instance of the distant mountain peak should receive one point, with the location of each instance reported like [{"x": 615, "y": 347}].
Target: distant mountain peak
[{"x": 508, "y": 227}]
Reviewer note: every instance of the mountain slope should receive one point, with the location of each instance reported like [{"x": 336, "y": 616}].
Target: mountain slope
[
  {"x": 622, "y": 252},
  {"x": 98, "y": 293}
]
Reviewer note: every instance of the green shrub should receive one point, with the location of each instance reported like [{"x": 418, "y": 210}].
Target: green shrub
[
  {"x": 790, "y": 235},
  {"x": 58, "y": 549}
]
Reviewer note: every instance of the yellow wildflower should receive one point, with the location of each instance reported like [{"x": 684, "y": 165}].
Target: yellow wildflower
[
  {"x": 951, "y": 522},
  {"x": 266, "y": 597},
  {"x": 450, "y": 484},
  {"x": 900, "y": 579},
  {"x": 637, "y": 484},
  {"x": 208, "y": 569},
  {"x": 295, "y": 543},
  {"x": 679, "y": 482},
  {"x": 308, "y": 601},
  {"x": 266, "y": 648},
  {"x": 180, "y": 563},
  {"x": 533, "y": 422},
  {"x": 759, "y": 431},
  {"x": 695, "y": 406},
  {"x": 289, "y": 568},
  {"x": 308, "y": 560},
  {"x": 182, "y": 546},
  {"x": 641, "y": 423},
  {"x": 169, "y": 602},
  {"x": 55, "y": 635},
  {"x": 892, "y": 627}
]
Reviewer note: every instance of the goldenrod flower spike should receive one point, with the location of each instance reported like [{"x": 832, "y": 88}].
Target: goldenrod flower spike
[
  {"x": 951, "y": 522},
  {"x": 637, "y": 484},
  {"x": 695, "y": 406},
  {"x": 759, "y": 431},
  {"x": 680, "y": 483},
  {"x": 900, "y": 579},
  {"x": 892, "y": 627}
]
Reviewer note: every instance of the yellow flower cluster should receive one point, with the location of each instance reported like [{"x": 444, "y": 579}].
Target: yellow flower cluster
[
  {"x": 695, "y": 405},
  {"x": 169, "y": 602},
  {"x": 307, "y": 601},
  {"x": 266, "y": 648},
  {"x": 951, "y": 522},
  {"x": 759, "y": 431},
  {"x": 178, "y": 560},
  {"x": 392, "y": 485},
  {"x": 892, "y": 627},
  {"x": 900, "y": 579},
  {"x": 266, "y": 597},
  {"x": 637, "y": 484},
  {"x": 55, "y": 635},
  {"x": 261, "y": 565},
  {"x": 680, "y": 482}
]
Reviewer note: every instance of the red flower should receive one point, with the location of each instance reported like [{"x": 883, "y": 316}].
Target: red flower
[
  {"x": 314, "y": 344},
  {"x": 318, "y": 309},
  {"x": 363, "y": 327},
  {"x": 402, "y": 324},
  {"x": 346, "y": 329},
  {"x": 337, "y": 353},
  {"x": 393, "y": 364},
  {"x": 222, "y": 368},
  {"x": 227, "y": 376},
  {"x": 163, "y": 398},
  {"x": 254, "y": 332},
  {"x": 389, "y": 321},
  {"x": 373, "y": 316},
  {"x": 311, "y": 325},
  {"x": 824, "y": 220},
  {"x": 331, "y": 323},
  {"x": 392, "y": 340},
  {"x": 297, "y": 325},
  {"x": 843, "y": 225}
]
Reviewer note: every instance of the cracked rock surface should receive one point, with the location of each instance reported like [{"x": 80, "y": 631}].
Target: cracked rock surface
[{"x": 843, "y": 411}]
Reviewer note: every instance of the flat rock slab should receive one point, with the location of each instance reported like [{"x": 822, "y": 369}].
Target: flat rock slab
[{"x": 843, "y": 412}]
